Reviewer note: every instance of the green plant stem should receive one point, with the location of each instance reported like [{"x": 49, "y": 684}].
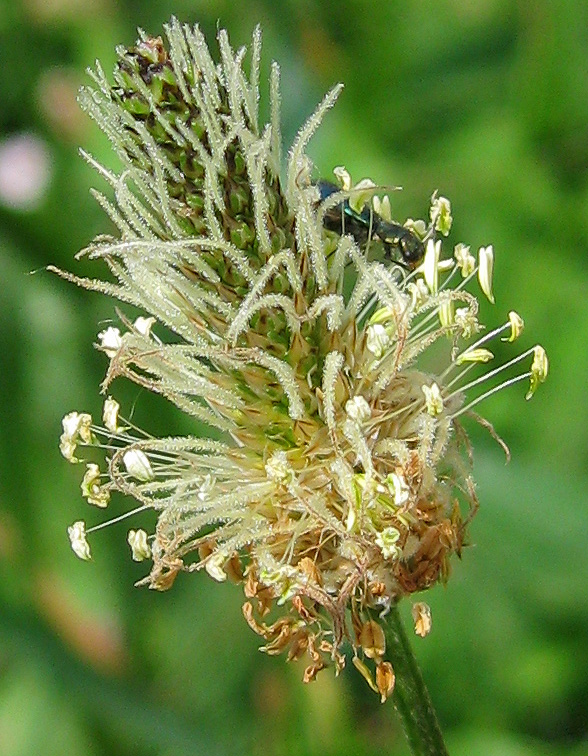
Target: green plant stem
[{"x": 411, "y": 697}]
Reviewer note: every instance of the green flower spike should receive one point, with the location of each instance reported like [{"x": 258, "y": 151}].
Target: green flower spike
[{"x": 336, "y": 477}]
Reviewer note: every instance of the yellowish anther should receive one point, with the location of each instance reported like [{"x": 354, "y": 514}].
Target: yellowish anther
[
  {"x": 140, "y": 549},
  {"x": 382, "y": 315},
  {"x": 214, "y": 566},
  {"x": 351, "y": 518},
  {"x": 516, "y": 326},
  {"x": 418, "y": 226},
  {"x": 382, "y": 207},
  {"x": 96, "y": 494},
  {"x": 539, "y": 369},
  {"x": 110, "y": 341},
  {"x": 387, "y": 540},
  {"x": 421, "y": 614},
  {"x": 419, "y": 293},
  {"x": 385, "y": 680},
  {"x": 474, "y": 355},
  {"x": 358, "y": 409},
  {"x": 372, "y": 640},
  {"x": 77, "y": 538},
  {"x": 485, "y": 270},
  {"x": 433, "y": 399},
  {"x": 343, "y": 177},
  {"x": 446, "y": 313},
  {"x": 110, "y": 414},
  {"x": 365, "y": 672},
  {"x": 138, "y": 465},
  {"x": 431, "y": 265},
  {"x": 76, "y": 428},
  {"x": 399, "y": 489},
  {"x": 441, "y": 214},
  {"x": 143, "y": 325},
  {"x": 466, "y": 262},
  {"x": 361, "y": 194}
]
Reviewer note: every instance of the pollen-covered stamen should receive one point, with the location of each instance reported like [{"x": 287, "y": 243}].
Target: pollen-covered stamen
[
  {"x": 473, "y": 353},
  {"x": 535, "y": 380}
]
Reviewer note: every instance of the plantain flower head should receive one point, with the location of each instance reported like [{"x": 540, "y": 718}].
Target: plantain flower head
[{"x": 336, "y": 475}]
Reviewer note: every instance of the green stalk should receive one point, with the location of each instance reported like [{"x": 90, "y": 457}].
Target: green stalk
[{"x": 411, "y": 697}]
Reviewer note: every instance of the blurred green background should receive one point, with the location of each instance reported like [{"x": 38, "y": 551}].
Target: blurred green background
[{"x": 486, "y": 101}]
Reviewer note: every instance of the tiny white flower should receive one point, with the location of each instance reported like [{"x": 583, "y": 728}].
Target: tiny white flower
[
  {"x": 138, "y": 465},
  {"x": 466, "y": 319},
  {"x": 110, "y": 414},
  {"x": 433, "y": 399},
  {"x": 110, "y": 341},
  {"x": 77, "y": 538},
  {"x": 486, "y": 263},
  {"x": 279, "y": 469},
  {"x": 140, "y": 549},
  {"x": 358, "y": 409},
  {"x": 387, "y": 540},
  {"x": 377, "y": 339}
]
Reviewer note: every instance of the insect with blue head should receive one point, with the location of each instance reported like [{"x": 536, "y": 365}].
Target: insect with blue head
[{"x": 400, "y": 243}]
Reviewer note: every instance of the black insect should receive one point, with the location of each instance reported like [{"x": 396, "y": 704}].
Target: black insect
[{"x": 367, "y": 225}]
